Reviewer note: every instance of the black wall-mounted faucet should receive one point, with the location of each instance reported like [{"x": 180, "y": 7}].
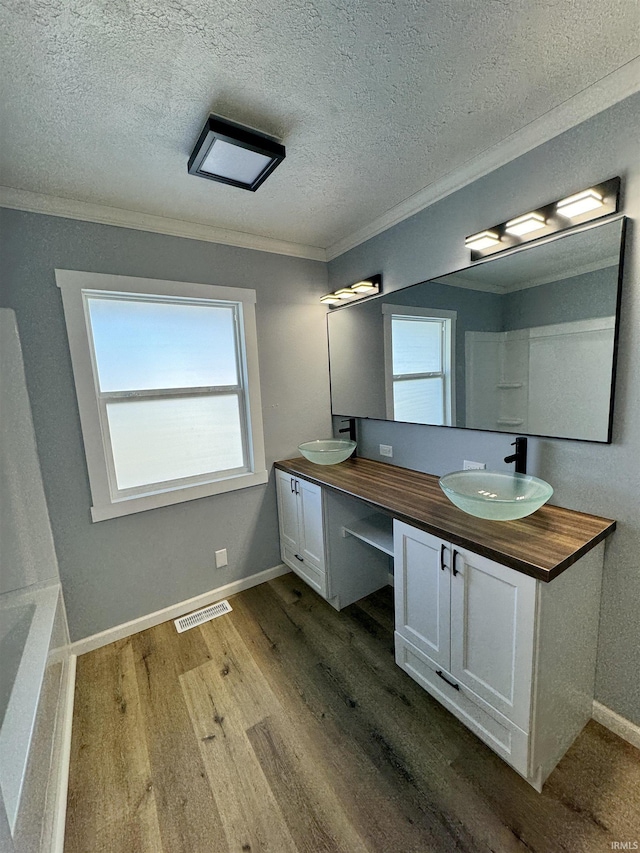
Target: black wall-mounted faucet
[{"x": 520, "y": 456}]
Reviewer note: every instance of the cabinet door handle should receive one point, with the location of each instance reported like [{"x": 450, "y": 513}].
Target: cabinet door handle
[
  {"x": 293, "y": 491},
  {"x": 442, "y": 549},
  {"x": 297, "y": 487},
  {"x": 298, "y": 557},
  {"x": 444, "y": 678},
  {"x": 453, "y": 566}
]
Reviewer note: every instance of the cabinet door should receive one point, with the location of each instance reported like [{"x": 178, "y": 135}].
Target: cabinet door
[
  {"x": 287, "y": 510},
  {"x": 422, "y": 589},
  {"x": 311, "y": 535},
  {"x": 492, "y": 633}
]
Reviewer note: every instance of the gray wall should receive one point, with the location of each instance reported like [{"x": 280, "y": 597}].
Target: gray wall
[
  {"x": 113, "y": 571},
  {"x": 582, "y": 297},
  {"x": 602, "y": 479}
]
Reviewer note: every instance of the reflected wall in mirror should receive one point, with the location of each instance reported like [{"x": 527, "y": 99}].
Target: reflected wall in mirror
[{"x": 521, "y": 343}]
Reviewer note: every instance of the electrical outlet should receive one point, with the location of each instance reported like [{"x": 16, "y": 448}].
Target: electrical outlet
[
  {"x": 472, "y": 466},
  {"x": 221, "y": 558},
  {"x": 386, "y": 450}
]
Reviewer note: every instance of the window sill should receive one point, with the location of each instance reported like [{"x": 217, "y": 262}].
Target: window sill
[{"x": 176, "y": 496}]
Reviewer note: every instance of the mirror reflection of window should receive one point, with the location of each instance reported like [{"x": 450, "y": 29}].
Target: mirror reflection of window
[{"x": 419, "y": 358}]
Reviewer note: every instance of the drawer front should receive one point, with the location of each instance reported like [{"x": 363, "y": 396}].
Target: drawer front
[
  {"x": 503, "y": 736},
  {"x": 316, "y": 578}
]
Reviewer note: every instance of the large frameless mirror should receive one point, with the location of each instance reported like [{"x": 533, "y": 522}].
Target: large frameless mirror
[{"x": 520, "y": 343}]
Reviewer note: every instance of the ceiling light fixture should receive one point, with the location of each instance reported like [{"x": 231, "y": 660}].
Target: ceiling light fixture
[
  {"x": 234, "y": 154},
  {"x": 359, "y": 290},
  {"x": 593, "y": 203},
  {"x": 483, "y": 240},
  {"x": 580, "y": 203},
  {"x": 525, "y": 224}
]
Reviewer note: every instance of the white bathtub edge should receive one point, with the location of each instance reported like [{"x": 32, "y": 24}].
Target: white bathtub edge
[
  {"x": 61, "y": 779},
  {"x": 19, "y": 722}
]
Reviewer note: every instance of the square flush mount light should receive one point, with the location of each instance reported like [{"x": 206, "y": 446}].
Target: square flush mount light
[{"x": 234, "y": 154}]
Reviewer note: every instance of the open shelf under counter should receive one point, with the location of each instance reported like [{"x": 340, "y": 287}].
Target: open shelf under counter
[
  {"x": 376, "y": 530},
  {"x": 542, "y": 545}
]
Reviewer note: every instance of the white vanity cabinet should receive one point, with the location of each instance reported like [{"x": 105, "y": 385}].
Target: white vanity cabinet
[
  {"x": 496, "y": 620},
  {"x": 482, "y": 639},
  {"x": 301, "y": 529},
  {"x": 322, "y": 539}
]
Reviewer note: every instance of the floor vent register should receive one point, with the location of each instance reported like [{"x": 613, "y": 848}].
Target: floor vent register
[{"x": 203, "y": 615}]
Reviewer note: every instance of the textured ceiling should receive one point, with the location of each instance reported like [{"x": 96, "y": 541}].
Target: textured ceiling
[{"x": 103, "y": 100}]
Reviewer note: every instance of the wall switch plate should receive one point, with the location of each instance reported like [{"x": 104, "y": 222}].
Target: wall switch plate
[
  {"x": 221, "y": 558},
  {"x": 386, "y": 450},
  {"x": 472, "y": 466}
]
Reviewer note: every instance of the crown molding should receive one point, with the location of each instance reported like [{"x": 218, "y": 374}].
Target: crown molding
[
  {"x": 88, "y": 212},
  {"x": 610, "y": 90}
]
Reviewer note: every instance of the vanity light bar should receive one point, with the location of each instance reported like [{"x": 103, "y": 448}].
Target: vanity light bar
[
  {"x": 526, "y": 224},
  {"x": 584, "y": 206},
  {"x": 366, "y": 287}
]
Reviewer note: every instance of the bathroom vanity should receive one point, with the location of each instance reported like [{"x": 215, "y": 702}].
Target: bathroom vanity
[{"x": 496, "y": 620}]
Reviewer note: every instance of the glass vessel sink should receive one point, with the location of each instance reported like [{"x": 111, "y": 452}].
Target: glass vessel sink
[
  {"x": 499, "y": 495},
  {"x": 327, "y": 451}
]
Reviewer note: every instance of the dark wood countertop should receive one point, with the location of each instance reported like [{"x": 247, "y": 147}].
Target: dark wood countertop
[{"x": 542, "y": 545}]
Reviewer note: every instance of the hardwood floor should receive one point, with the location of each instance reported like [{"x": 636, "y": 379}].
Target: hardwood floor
[{"x": 286, "y": 727}]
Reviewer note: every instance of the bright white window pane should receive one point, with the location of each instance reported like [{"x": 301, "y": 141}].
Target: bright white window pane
[
  {"x": 142, "y": 345},
  {"x": 416, "y": 345},
  {"x": 419, "y": 401},
  {"x": 232, "y": 161},
  {"x": 154, "y": 441}
]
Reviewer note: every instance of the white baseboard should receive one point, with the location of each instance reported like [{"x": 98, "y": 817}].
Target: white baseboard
[
  {"x": 62, "y": 778},
  {"x": 119, "y": 632},
  {"x": 619, "y": 725}
]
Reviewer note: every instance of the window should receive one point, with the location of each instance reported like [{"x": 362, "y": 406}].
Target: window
[
  {"x": 167, "y": 383},
  {"x": 419, "y": 358}
]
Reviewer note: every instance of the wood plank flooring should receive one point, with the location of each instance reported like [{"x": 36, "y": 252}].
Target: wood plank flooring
[{"x": 286, "y": 727}]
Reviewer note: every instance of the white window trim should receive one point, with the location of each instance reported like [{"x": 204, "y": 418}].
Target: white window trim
[
  {"x": 449, "y": 354},
  {"x": 72, "y": 283}
]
